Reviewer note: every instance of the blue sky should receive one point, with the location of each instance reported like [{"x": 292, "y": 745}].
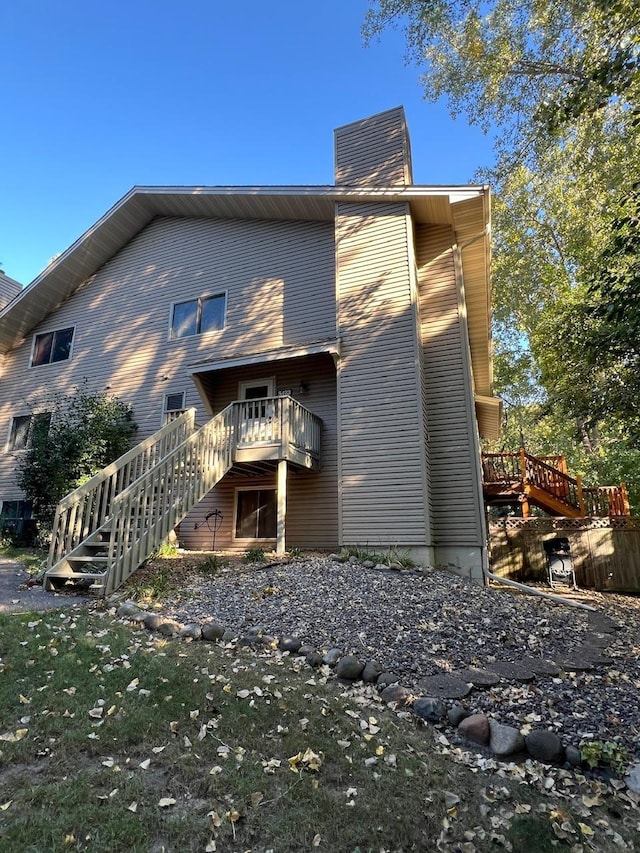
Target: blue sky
[{"x": 99, "y": 96}]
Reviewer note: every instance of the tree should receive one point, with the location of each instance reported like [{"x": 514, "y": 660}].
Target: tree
[
  {"x": 559, "y": 82},
  {"x": 86, "y": 432}
]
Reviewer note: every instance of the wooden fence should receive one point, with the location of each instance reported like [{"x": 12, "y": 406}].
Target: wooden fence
[{"x": 605, "y": 551}]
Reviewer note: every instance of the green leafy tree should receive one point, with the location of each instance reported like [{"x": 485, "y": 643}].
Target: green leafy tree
[
  {"x": 559, "y": 85},
  {"x": 87, "y": 431}
]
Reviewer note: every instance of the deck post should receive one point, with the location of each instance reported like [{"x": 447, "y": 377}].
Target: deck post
[
  {"x": 625, "y": 500},
  {"x": 583, "y": 511},
  {"x": 282, "y": 505}
]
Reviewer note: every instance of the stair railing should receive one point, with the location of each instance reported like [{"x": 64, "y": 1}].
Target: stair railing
[
  {"x": 144, "y": 514},
  {"x": 565, "y": 489},
  {"x": 89, "y": 506}
]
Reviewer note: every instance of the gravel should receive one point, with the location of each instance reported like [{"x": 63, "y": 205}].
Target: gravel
[{"x": 420, "y": 623}]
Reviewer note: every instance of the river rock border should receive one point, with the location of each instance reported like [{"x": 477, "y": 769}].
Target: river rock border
[{"x": 440, "y": 703}]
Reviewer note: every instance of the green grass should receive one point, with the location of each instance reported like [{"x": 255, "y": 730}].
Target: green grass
[
  {"x": 85, "y": 703},
  {"x": 32, "y": 559}
]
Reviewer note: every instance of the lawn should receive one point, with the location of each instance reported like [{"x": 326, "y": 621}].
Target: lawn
[{"x": 113, "y": 739}]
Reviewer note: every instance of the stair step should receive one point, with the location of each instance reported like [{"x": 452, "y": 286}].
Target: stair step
[
  {"x": 88, "y": 558},
  {"x": 95, "y": 576}
]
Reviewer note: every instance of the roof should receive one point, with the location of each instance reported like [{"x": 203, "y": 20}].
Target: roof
[{"x": 465, "y": 208}]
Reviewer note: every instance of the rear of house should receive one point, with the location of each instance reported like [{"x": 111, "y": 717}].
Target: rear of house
[{"x": 354, "y": 318}]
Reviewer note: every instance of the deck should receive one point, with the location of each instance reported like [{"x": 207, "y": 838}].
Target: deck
[{"x": 543, "y": 481}]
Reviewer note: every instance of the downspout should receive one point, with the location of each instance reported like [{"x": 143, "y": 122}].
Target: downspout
[{"x": 529, "y": 589}]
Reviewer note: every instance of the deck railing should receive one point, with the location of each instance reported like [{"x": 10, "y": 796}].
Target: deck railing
[
  {"x": 145, "y": 513},
  {"x": 277, "y": 420},
  {"x": 549, "y": 474},
  {"x": 87, "y": 507}
]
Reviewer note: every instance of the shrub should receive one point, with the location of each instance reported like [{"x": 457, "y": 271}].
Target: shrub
[{"x": 254, "y": 555}]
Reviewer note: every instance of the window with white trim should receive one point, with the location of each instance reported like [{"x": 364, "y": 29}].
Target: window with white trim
[
  {"x": 49, "y": 347},
  {"x": 198, "y": 316},
  {"x": 23, "y": 428},
  {"x": 174, "y": 406},
  {"x": 256, "y": 514}
]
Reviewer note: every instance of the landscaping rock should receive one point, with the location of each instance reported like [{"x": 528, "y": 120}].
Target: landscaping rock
[
  {"x": 573, "y": 663},
  {"x": 445, "y": 687},
  {"x": 456, "y": 714},
  {"x": 269, "y": 642},
  {"x": 512, "y": 671},
  {"x": 228, "y": 636},
  {"x": 169, "y": 628},
  {"x": 545, "y": 746},
  {"x": 353, "y": 560},
  {"x": 248, "y": 640},
  {"x": 192, "y": 630},
  {"x": 349, "y": 668},
  {"x": 138, "y": 616},
  {"x": 368, "y": 564},
  {"x": 395, "y": 694},
  {"x": 372, "y": 670},
  {"x": 632, "y": 779},
  {"x": 572, "y": 756},
  {"x": 381, "y": 566},
  {"x": 290, "y": 644},
  {"x": 475, "y": 728},
  {"x": 385, "y": 679},
  {"x": 477, "y": 677},
  {"x": 153, "y": 621},
  {"x": 128, "y": 609},
  {"x": 314, "y": 659},
  {"x": 542, "y": 666},
  {"x": 504, "y": 740},
  {"x": 305, "y": 649},
  {"x": 335, "y": 558},
  {"x": 332, "y": 657},
  {"x": 430, "y": 709},
  {"x": 212, "y": 631}
]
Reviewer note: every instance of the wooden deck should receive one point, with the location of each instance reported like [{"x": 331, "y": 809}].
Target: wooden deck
[{"x": 510, "y": 478}]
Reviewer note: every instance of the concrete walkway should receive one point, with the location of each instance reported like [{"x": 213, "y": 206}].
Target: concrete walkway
[{"x": 15, "y": 597}]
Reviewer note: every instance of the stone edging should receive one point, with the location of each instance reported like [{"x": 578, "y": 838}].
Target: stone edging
[{"x": 501, "y": 740}]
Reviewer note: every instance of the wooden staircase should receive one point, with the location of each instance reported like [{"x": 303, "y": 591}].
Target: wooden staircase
[
  {"x": 510, "y": 478},
  {"x": 104, "y": 530}
]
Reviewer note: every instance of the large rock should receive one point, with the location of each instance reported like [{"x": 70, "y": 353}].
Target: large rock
[
  {"x": 191, "y": 631},
  {"x": 385, "y": 679},
  {"x": 396, "y": 695},
  {"x": 212, "y": 631},
  {"x": 169, "y": 628},
  {"x": 372, "y": 670},
  {"x": 456, "y": 714},
  {"x": 290, "y": 644},
  {"x": 477, "y": 677},
  {"x": 545, "y": 746},
  {"x": 332, "y": 657},
  {"x": 128, "y": 609},
  {"x": 445, "y": 686},
  {"x": 632, "y": 779},
  {"x": 153, "y": 621},
  {"x": 504, "y": 740},
  {"x": 350, "y": 668},
  {"x": 512, "y": 671},
  {"x": 430, "y": 709},
  {"x": 475, "y": 728},
  {"x": 314, "y": 659}
]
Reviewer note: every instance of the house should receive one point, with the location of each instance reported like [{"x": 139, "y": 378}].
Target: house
[{"x": 334, "y": 341}]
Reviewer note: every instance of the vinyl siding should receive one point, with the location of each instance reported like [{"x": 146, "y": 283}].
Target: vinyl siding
[
  {"x": 374, "y": 152},
  {"x": 279, "y": 280},
  {"x": 382, "y": 453},
  {"x": 312, "y": 497},
  {"x": 454, "y": 495}
]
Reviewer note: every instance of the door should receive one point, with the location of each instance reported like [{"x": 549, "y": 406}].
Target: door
[{"x": 257, "y": 421}]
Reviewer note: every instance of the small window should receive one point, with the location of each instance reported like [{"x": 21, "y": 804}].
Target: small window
[
  {"x": 50, "y": 347},
  {"x": 15, "y": 518},
  {"x": 198, "y": 316},
  {"x": 24, "y": 427},
  {"x": 256, "y": 514},
  {"x": 173, "y": 406}
]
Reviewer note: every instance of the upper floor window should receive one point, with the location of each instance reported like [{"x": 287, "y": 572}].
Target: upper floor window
[
  {"x": 198, "y": 316},
  {"x": 23, "y": 428},
  {"x": 49, "y": 347}
]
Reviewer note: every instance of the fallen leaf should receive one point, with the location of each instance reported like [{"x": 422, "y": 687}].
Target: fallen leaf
[
  {"x": 165, "y": 802},
  {"x": 5, "y": 806},
  {"x": 145, "y": 764},
  {"x": 133, "y": 807}
]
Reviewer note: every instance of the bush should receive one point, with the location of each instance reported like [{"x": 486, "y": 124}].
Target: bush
[{"x": 87, "y": 431}]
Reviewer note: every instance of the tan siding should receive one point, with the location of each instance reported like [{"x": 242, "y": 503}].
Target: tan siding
[
  {"x": 382, "y": 461},
  {"x": 312, "y": 497},
  {"x": 374, "y": 152},
  {"x": 454, "y": 502},
  {"x": 279, "y": 277}
]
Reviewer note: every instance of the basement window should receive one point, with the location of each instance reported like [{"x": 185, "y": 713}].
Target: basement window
[
  {"x": 256, "y": 514},
  {"x": 50, "y": 347},
  {"x": 198, "y": 316},
  {"x": 23, "y": 428}
]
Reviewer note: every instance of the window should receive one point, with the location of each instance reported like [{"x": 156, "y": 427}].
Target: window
[
  {"x": 50, "y": 347},
  {"x": 23, "y": 428},
  {"x": 198, "y": 316},
  {"x": 173, "y": 406},
  {"x": 15, "y": 518},
  {"x": 256, "y": 514}
]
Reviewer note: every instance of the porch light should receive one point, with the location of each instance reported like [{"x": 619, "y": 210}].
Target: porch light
[{"x": 303, "y": 390}]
